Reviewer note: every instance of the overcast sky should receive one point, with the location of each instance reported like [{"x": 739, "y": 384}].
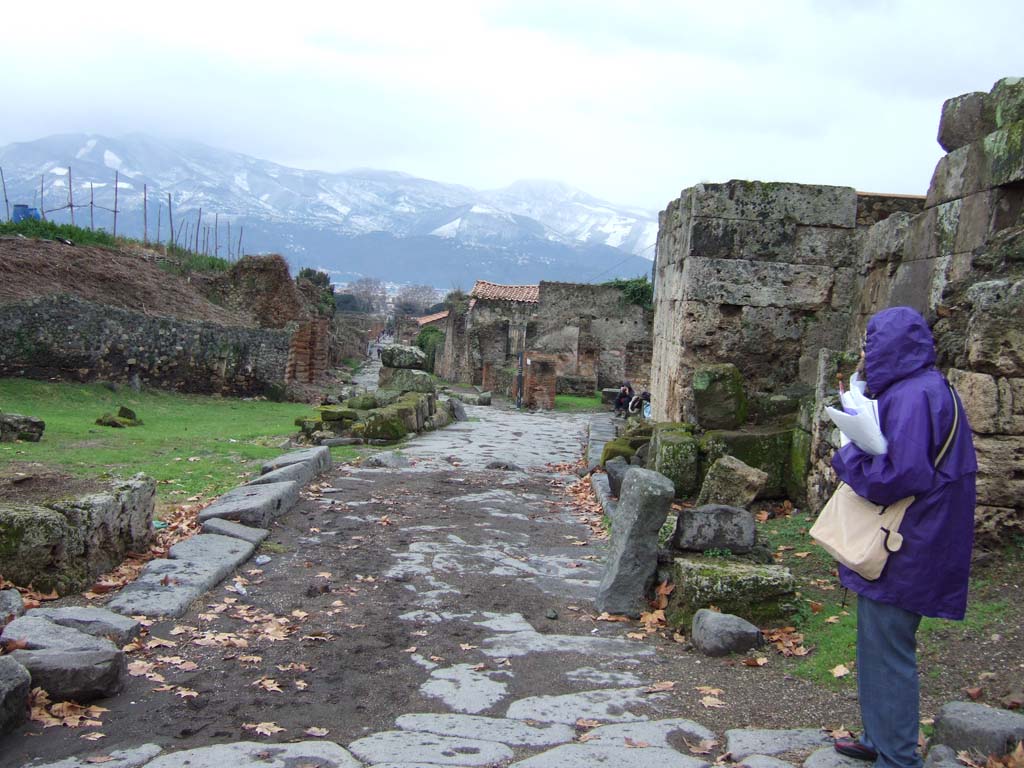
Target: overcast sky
[{"x": 630, "y": 101}]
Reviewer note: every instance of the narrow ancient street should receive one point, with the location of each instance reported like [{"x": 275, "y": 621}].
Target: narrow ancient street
[{"x": 433, "y": 611}]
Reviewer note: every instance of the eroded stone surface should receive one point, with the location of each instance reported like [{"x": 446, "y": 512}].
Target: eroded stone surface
[
  {"x": 120, "y": 758},
  {"x": 15, "y": 684},
  {"x": 97, "y": 622},
  {"x": 419, "y": 747},
  {"x": 514, "y": 733},
  {"x": 653, "y": 732},
  {"x": 609, "y": 705},
  {"x": 464, "y": 689},
  {"x": 319, "y": 458},
  {"x": 249, "y": 754},
  {"x": 743, "y": 742},
  {"x": 587, "y": 756},
  {"x": 251, "y": 534},
  {"x": 966, "y": 725},
  {"x": 827, "y": 757},
  {"x": 256, "y": 505}
]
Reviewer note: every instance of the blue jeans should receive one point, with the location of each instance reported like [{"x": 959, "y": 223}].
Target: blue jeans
[{"x": 887, "y": 682}]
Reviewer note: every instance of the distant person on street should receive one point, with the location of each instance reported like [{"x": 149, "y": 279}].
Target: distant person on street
[
  {"x": 622, "y": 399},
  {"x": 928, "y": 575}
]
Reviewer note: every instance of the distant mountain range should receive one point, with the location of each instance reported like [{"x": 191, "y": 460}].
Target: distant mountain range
[{"x": 359, "y": 223}]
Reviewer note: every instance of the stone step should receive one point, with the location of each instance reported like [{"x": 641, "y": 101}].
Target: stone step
[
  {"x": 256, "y": 505},
  {"x": 94, "y": 621}
]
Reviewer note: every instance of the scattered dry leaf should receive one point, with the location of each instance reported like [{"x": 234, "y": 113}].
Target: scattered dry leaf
[
  {"x": 316, "y": 731},
  {"x": 840, "y": 670},
  {"x": 263, "y": 729}
]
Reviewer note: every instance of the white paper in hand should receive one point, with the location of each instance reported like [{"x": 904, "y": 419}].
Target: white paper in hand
[{"x": 861, "y": 428}]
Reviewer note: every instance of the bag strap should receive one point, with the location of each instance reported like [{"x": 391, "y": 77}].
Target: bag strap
[{"x": 952, "y": 431}]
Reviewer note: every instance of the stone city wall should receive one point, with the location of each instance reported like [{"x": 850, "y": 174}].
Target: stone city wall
[{"x": 68, "y": 338}]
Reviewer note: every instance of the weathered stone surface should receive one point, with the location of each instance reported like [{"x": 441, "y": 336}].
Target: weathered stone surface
[
  {"x": 609, "y": 705},
  {"x": 504, "y": 466},
  {"x": 763, "y": 761},
  {"x": 256, "y": 505},
  {"x": 216, "y": 525},
  {"x": 319, "y": 458},
  {"x": 715, "y": 526},
  {"x": 402, "y": 356},
  {"x": 653, "y": 732},
  {"x": 718, "y": 396},
  {"x": 965, "y": 119},
  {"x": 64, "y": 662},
  {"x": 758, "y": 284},
  {"x": 941, "y": 756},
  {"x": 64, "y": 545},
  {"x": 980, "y": 395},
  {"x": 300, "y": 473},
  {"x": 814, "y": 205},
  {"x": 11, "y": 605},
  {"x": 119, "y": 758},
  {"x": 643, "y": 506},
  {"x": 616, "y": 468},
  {"x": 619, "y": 447},
  {"x": 168, "y": 587},
  {"x": 732, "y": 483},
  {"x": 458, "y": 409},
  {"x": 758, "y": 593},
  {"x": 407, "y": 380},
  {"x": 827, "y": 757},
  {"x": 675, "y": 453},
  {"x": 589, "y": 755},
  {"x": 719, "y": 634},
  {"x": 994, "y": 342},
  {"x": 976, "y": 727},
  {"x": 417, "y": 747},
  {"x": 741, "y": 742},
  {"x": 14, "y": 426},
  {"x": 97, "y": 622},
  {"x": 993, "y": 161},
  {"x": 514, "y": 733},
  {"x": 251, "y": 754},
  {"x": 1007, "y": 97},
  {"x": 387, "y": 460},
  {"x": 993, "y": 525},
  {"x": 15, "y": 684},
  {"x": 765, "y": 448},
  {"x": 334, "y": 413},
  {"x": 1000, "y": 483}
]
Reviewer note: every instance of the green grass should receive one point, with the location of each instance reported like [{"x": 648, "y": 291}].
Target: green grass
[
  {"x": 50, "y": 231},
  {"x": 821, "y": 598},
  {"x": 578, "y": 403},
  {"x": 191, "y": 444}
]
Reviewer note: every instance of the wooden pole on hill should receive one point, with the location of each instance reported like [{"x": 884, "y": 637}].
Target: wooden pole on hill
[
  {"x": 145, "y": 215},
  {"x": 188, "y": 240},
  {"x": 42, "y": 208},
  {"x": 170, "y": 219},
  {"x": 199, "y": 222},
  {"x": 177, "y": 236},
  {"x": 238, "y": 250},
  {"x": 216, "y": 235},
  {"x": 159, "y": 215},
  {"x": 7, "y": 205},
  {"x": 116, "y": 184},
  {"x": 229, "y": 239},
  {"x": 71, "y": 196},
  {"x": 92, "y": 206}
]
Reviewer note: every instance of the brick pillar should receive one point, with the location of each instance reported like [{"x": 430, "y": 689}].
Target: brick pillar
[{"x": 539, "y": 381}]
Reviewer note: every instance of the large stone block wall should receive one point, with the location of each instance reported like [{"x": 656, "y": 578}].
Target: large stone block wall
[
  {"x": 755, "y": 274},
  {"x": 65, "y": 337}
]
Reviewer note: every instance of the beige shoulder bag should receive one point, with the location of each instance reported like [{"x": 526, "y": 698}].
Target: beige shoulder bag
[{"x": 861, "y": 534}]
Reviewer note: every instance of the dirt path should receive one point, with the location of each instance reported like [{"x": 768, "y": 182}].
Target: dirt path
[{"x": 444, "y": 587}]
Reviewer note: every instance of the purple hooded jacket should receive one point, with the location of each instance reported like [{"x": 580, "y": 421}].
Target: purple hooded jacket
[{"x": 929, "y": 574}]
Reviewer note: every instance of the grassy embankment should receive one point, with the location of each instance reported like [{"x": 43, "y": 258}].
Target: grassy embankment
[
  {"x": 578, "y": 404},
  {"x": 191, "y": 444}
]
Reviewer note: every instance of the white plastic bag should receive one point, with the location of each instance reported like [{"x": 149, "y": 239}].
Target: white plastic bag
[{"x": 858, "y": 421}]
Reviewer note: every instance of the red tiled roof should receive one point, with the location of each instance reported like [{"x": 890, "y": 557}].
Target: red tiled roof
[
  {"x": 431, "y": 318},
  {"x": 529, "y": 294}
]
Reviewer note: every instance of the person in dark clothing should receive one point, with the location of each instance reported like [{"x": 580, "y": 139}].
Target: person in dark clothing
[
  {"x": 928, "y": 576},
  {"x": 622, "y": 399}
]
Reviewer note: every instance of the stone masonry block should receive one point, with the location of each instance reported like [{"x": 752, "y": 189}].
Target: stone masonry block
[
  {"x": 996, "y": 160},
  {"x": 752, "y": 283},
  {"x": 255, "y": 505},
  {"x": 299, "y": 473},
  {"x": 965, "y": 119},
  {"x": 980, "y": 395},
  {"x": 814, "y": 205},
  {"x": 974, "y": 727},
  {"x": 320, "y": 458},
  {"x": 1007, "y": 97},
  {"x": 15, "y": 684},
  {"x": 1000, "y": 481}
]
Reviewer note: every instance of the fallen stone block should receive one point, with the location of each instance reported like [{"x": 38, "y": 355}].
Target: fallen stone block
[
  {"x": 417, "y": 747},
  {"x": 407, "y": 380},
  {"x": 731, "y": 482},
  {"x": 616, "y": 468},
  {"x": 301, "y": 472},
  {"x": 761, "y": 593},
  {"x": 250, "y": 754},
  {"x": 719, "y": 634},
  {"x": 588, "y": 755},
  {"x": 458, "y": 409},
  {"x": 675, "y": 453},
  {"x": 717, "y": 527},
  {"x": 194, "y": 566},
  {"x": 256, "y": 505},
  {"x": 719, "y": 397},
  {"x": 64, "y": 662},
  {"x": 15, "y": 684},
  {"x": 319, "y": 457},
  {"x": 97, "y": 622},
  {"x": 118, "y": 758},
  {"x": 14, "y": 426},
  {"x": 403, "y": 356},
  {"x": 976, "y": 727},
  {"x": 11, "y": 605},
  {"x": 643, "y": 507},
  {"x": 254, "y": 536},
  {"x": 387, "y": 460},
  {"x": 741, "y": 742}
]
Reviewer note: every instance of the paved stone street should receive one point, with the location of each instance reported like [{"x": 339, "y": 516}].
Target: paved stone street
[{"x": 434, "y": 614}]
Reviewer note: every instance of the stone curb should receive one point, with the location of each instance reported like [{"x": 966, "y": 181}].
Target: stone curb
[{"x": 603, "y": 491}]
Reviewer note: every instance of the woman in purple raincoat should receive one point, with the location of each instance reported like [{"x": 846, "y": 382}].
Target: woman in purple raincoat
[{"x": 928, "y": 575}]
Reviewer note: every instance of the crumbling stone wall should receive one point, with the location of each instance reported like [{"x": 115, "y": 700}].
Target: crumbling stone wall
[
  {"x": 68, "y": 338},
  {"x": 309, "y": 351},
  {"x": 873, "y": 207},
  {"x": 755, "y": 274},
  {"x": 540, "y": 375}
]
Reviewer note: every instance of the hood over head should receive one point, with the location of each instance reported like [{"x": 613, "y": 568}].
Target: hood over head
[{"x": 898, "y": 344}]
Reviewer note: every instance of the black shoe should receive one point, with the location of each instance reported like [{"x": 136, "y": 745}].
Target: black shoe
[{"x": 853, "y": 748}]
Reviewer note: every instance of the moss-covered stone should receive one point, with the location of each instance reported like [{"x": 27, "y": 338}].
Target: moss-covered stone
[
  {"x": 1004, "y": 152},
  {"x": 638, "y": 428},
  {"x": 718, "y": 396},
  {"x": 387, "y": 396},
  {"x": 675, "y": 453},
  {"x": 361, "y": 402},
  {"x": 799, "y": 466},
  {"x": 336, "y": 413},
  {"x": 766, "y": 449},
  {"x": 758, "y": 593},
  {"x": 383, "y": 424},
  {"x": 618, "y": 447},
  {"x": 407, "y": 380}
]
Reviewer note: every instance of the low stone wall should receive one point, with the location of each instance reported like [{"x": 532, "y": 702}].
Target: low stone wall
[
  {"x": 68, "y": 338},
  {"x": 65, "y": 545},
  {"x": 873, "y": 208}
]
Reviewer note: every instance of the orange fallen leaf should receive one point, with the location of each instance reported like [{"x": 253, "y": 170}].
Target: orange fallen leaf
[
  {"x": 96, "y": 736},
  {"x": 755, "y": 661},
  {"x": 712, "y": 702},
  {"x": 636, "y": 635},
  {"x": 636, "y": 744},
  {"x": 664, "y": 685},
  {"x": 609, "y": 617},
  {"x": 263, "y": 729},
  {"x": 840, "y": 670},
  {"x": 583, "y": 723},
  {"x": 709, "y": 690}
]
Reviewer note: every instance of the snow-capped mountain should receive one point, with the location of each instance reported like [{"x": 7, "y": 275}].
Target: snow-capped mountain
[{"x": 360, "y": 222}]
